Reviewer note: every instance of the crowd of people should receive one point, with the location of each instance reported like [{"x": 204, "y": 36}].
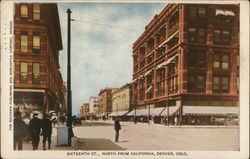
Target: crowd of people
[{"x": 25, "y": 129}]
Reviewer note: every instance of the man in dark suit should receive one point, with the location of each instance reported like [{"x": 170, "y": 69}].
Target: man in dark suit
[
  {"x": 46, "y": 130},
  {"x": 20, "y": 130},
  {"x": 35, "y": 129},
  {"x": 117, "y": 129}
]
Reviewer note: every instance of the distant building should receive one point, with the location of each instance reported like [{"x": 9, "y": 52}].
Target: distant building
[
  {"x": 105, "y": 102},
  {"x": 93, "y": 106},
  {"x": 38, "y": 81},
  {"x": 84, "y": 110},
  {"x": 121, "y": 100},
  {"x": 186, "y": 64}
]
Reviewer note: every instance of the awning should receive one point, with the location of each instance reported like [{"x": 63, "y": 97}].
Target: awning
[
  {"x": 210, "y": 110},
  {"x": 119, "y": 113},
  {"x": 134, "y": 80},
  {"x": 176, "y": 34},
  {"x": 224, "y": 12},
  {"x": 170, "y": 60},
  {"x": 147, "y": 73},
  {"x": 149, "y": 88},
  {"x": 172, "y": 110},
  {"x": 140, "y": 112},
  {"x": 141, "y": 76},
  {"x": 150, "y": 53}
]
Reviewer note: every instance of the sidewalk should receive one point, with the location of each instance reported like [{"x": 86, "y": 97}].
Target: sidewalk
[{"x": 54, "y": 146}]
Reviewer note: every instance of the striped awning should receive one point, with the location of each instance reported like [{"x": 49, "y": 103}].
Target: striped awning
[
  {"x": 119, "y": 113},
  {"x": 210, "y": 110},
  {"x": 170, "y": 111},
  {"x": 140, "y": 112},
  {"x": 170, "y": 60}
]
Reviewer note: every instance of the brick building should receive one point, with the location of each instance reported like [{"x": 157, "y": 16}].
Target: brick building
[
  {"x": 105, "y": 101},
  {"x": 186, "y": 63},
  {"x": 38, "y": 81}
]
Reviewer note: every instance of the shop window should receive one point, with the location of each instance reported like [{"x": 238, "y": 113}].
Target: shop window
[
  {"x": 220, "y": 84},
  {"x": 197, "y": 35},
  {"x": 222, "y": 37},
  {"x": 197, "y": 58},
  {"x": 24, "y": 72},
  {"x": 36, "y": 43},
  {"x": 36, "y": 11},
  {"x": 197, "y": 12},
  {"x": 24, "y": 42},
  {"x": 221, "y": 61},
  {"x": 196, "y": 83},
  {"x": 24, "y": 10},
  {"x": 36, "y": 73}
]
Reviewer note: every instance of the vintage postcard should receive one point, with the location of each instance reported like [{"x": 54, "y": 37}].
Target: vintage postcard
[{"x": 123, "y": 79}]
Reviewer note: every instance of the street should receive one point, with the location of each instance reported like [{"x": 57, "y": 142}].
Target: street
[{"x": 100, "y": 135}]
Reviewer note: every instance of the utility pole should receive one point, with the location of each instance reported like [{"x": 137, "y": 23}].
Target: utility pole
[{"x": 69, "y": 95}]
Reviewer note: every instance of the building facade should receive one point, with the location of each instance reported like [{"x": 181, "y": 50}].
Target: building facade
[
  {"x": 84, "y": 110},
  {"x": 121, "y": 100},
  {"x": 38, "y": 81},
  {"x": 93, "y": 107},
  {"x": 187, "y": 60},
  {"x": 105, "y": 102}
]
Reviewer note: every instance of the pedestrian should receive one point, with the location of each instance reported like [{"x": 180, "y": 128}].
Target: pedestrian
[
  {"x": 35, "y": 129},
  {"x": 117, "y": 129},
  {"x": 27, "y": 121},
  {"x": 46, "y": 130},
  {"x": 20, "y": 130}
]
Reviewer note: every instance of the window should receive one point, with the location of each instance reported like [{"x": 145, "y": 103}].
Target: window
[
  {"x": 36, "y": 11},
  {"x": 197, "y": 12},
  {"x": 142, "y": 89},
  {"x": 238, "y": 84},
  {"x": 36, "y": 43},
  {"x": 174, "y": 41},
  {"x": 24, "y": 42},
  {"x": 222, "y": 37},
  {"x": 24, "y": 72},
  {"x": 196, "y": 83},
  {"x": 174, "y": 19},
  {"x": 221, "y": 61},
  {"x": 160, "y": 82},
  {"x": 223, "y": 16},
  {"x": 197, "y": 58},
  {"x": 142, "y": 63},
  {"x": 150, "y": 44},
  {"x": 220, "y": 84},
  {"x": 197, "y": 35},
  {"x": 36, "y": 73},
  {"x": 24, "y": 11}
]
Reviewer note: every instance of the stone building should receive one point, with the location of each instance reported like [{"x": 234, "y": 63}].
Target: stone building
[
  {"x": 38, "y": 81},
  {"x": 93, "y": 107},
  {"x": 121, "y": 101},
  {"x": 186, "y": 64}
]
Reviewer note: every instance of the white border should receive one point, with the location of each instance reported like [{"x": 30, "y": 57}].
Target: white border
[{"x": 7, "y": 135}]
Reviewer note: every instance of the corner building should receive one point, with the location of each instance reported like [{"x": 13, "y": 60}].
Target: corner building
[
  {"x": 187, "y": 62},
  {"x": 38, "y": 81}
]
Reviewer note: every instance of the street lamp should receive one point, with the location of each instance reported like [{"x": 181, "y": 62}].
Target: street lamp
[{"x": 69, "y": 93}]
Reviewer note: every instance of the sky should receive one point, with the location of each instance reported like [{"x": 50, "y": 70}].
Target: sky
[{"x": 102, "y": 36}]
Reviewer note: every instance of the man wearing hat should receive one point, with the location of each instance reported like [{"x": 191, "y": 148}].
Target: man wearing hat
[
  {"x": 35, "y": 129},
  {"x": 19, "y": 131},
  {"x": 46, "y": 130}
]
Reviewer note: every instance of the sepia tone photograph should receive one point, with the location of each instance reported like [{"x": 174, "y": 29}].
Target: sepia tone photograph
[{"x": 117, "y": 77}]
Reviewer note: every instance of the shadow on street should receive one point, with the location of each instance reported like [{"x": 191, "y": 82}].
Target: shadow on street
[{"x": 97, "y": 144}]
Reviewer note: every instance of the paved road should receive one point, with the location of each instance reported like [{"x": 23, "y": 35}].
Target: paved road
[{"x": 143, "y": 136}]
